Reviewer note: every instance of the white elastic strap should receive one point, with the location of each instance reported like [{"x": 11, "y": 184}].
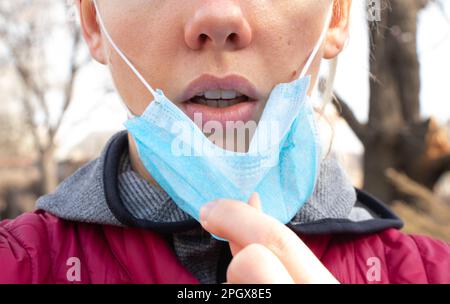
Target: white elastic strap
[
  {"x": 121, "y": 54},
  {"x": 151, "y": 90},
  {"x": 319, "y": 43}
]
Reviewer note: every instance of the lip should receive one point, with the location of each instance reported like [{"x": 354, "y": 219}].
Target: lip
[{"x": 243, "y": 111}]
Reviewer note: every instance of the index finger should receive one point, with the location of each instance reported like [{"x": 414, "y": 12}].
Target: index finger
[{"x": 244, "y": 225}]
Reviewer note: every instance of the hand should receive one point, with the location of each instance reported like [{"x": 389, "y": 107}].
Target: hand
[{"x": 264, "y": 250}]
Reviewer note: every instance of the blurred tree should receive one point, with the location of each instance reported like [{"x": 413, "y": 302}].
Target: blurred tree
[
  {"x": 28, "y": 32},
  {"x": 10, "y": 135},
  {"x": 395, "y": 136}
]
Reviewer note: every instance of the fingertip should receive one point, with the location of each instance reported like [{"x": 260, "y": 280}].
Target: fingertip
[{"x": 204, "y": 213}]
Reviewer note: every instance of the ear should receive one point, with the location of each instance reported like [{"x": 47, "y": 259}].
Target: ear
[
  {"x": 339, "y": 29},
  {"x": 91, "y": 30}
]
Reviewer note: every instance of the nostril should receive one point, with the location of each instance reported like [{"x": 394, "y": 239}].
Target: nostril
[
  {"x": 218, "y": 26},
  {"x": 203, "y": 37},
  {"x": 233, "y": 38}
]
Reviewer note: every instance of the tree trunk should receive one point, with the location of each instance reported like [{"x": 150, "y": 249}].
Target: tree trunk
[
  {"x": 395, "y": 137},
  {"x": 377, "y": 159},
  {"x": 49, "y": 170}
]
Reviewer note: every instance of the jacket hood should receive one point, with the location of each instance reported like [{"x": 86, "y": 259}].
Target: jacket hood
[{"x": 91, "y": 195}]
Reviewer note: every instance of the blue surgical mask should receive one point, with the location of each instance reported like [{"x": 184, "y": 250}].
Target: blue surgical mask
[{"x": 282, "y": 169}]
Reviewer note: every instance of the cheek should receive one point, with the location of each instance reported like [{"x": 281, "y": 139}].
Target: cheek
[
  {"x": 149, "y": 43},
  {"x": 288, "y": 35}
]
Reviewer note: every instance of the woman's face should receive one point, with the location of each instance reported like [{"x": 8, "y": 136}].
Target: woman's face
[{"x": 217, "y": 49}]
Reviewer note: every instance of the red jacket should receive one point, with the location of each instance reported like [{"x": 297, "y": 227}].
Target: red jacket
[
  {"x": 70, "y": 244},
  {"x": 41, "y": 248}
]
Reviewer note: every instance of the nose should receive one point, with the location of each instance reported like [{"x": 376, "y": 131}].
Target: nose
[{"x": 218, "y": 24}]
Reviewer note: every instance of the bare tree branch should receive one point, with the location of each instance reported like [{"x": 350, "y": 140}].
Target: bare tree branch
[
  {"x": 440, "y": 166},
  {"x": 426, "y": 200},
  {"x": 25, "y": 35},
  {"x": 346, "y": 112},
  {"x": 29, "y": 83},
  {"x": 69, "y": 85},
  {"x": 29, "y": 120}
]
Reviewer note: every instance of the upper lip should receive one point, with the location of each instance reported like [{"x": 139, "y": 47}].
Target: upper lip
[{"x": 209, "y": 82}]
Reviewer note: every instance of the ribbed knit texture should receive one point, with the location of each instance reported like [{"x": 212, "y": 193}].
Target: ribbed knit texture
[{"x": 196, "y": 249}]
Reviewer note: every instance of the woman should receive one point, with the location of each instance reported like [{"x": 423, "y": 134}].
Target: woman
[{"x": 115, "y": 222}]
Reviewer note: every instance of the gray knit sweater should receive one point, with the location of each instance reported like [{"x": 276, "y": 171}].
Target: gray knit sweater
[
  {"x": 83, "y": 198},
  {"x": 334, "y": 197}
]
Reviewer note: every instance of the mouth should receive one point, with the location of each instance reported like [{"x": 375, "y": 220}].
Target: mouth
[{"x": 223, "y": 100}]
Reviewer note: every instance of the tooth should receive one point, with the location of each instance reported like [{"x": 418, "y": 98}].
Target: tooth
[
  {"x": 223, "y": 103},
  {"x": 213, "y": 94},
  {"x": 200, "y": 94},
  {"x": 229, "y": 94}
]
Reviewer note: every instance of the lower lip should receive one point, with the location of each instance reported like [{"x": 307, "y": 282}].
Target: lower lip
[{"x": 241, "y": 112}]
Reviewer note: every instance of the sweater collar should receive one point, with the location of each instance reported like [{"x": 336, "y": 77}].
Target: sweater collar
[
  {"x": 334, "y": 206},
  {"x": 331, "y": 209}
]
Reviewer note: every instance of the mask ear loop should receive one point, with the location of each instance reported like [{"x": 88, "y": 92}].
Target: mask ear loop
[
  {"x": 319, "y": 43},
  {"x": 316, "y": 49},
  {"x": 122, "y": 55},
  {"x": 153, "y": 92}
]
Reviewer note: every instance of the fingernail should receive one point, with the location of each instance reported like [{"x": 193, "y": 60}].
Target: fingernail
[
  {"x": 204, "y": 213},
  {"x": 255, "y": 201}
]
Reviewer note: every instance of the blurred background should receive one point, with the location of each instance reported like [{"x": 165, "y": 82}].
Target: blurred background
[{"x": 389, "y": 105}]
